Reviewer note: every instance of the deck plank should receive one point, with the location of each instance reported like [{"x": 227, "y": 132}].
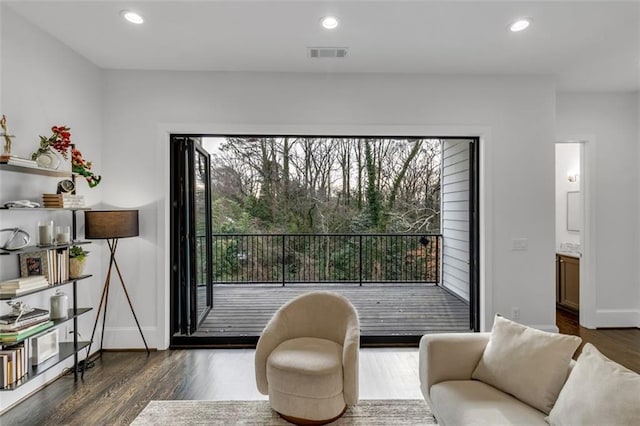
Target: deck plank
[{"x": 384, "y": 309}]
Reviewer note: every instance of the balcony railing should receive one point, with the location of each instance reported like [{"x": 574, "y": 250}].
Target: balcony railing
[{"x": 299, "y": 258}]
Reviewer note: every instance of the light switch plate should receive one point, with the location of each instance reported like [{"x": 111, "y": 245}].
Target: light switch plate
[{"x": 520, "y": 244}]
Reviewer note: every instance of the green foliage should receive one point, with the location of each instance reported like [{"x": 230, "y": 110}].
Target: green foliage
[
  {"x": 361, "y": 223},
  {"x": 77, "y": 252},
  {"x": 342, "y": 262},
  {"x": 260, "y": 209},
  {"x": 228, "y": 217},
  {"x": 326, "y": 185},
  {"x": 225, "y": 259},
  {"x": 373, "y": 195}
]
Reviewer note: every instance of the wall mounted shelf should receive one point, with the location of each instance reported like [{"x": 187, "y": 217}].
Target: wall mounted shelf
[{"x": 35, "y": 170}]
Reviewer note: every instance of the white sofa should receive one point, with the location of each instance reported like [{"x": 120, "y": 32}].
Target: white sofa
[
  {"x": 446, "y": 364},
  {"x": 549, "y": 388}
]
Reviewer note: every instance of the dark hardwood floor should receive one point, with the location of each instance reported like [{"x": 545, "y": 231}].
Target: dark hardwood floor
[
  {"x": 619, "y": 344},
  {"x": 122, "y": 383},
  {"x": 115, "y": 390}
]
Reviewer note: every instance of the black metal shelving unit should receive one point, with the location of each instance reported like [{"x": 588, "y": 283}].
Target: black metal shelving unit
[{"x": 65, "y": 349}]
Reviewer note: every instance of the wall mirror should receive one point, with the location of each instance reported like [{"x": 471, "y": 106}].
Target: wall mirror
[{"x": 574, "y": 212}]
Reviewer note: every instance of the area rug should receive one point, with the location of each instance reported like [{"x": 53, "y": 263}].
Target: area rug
[{"x": 366, "y": 412}]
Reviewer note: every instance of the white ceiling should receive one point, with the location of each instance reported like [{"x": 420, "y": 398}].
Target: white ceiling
[{"x": 586, "y": 45}]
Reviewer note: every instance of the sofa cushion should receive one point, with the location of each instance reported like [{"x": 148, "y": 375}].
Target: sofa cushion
[
  {"x": 530, "y": 364},
  {"x": 305, "y": 378},
  {"x": 470, "y": 402},
  {"x": 306, "y": 366},
  {"x": 598, "y": 392}
]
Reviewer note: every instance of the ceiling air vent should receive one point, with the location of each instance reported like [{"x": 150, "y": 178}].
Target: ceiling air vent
[{"x": 327, "y": 52}]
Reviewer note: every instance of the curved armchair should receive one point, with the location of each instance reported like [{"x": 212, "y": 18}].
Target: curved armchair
[{"x": 307, "y": 358}]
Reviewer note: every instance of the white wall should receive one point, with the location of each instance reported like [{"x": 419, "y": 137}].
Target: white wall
[
  {"x": 612, "y": 120},
  {"x": 517, "y": 114},
  {"x": 567, "y": 160},
  {"x": 44, "y": 83}
]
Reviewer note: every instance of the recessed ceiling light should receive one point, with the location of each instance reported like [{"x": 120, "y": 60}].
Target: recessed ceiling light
[
  {"x": 329, "y": 22},
  {"x": 520, "y": 25},
  {"x": 132, "y": 17}
]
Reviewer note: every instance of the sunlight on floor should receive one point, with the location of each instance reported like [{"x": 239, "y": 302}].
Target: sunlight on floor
[{"x": 385, "y": 373}]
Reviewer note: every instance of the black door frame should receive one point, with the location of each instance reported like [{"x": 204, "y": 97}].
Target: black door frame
[
  {"x": 180, "y": 339},
  {"x": 185, "y": 319},
  {"x": 474, "y": 234}
]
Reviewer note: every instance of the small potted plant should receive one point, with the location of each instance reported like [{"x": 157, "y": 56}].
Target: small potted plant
[{"x": 77, "y": 257}]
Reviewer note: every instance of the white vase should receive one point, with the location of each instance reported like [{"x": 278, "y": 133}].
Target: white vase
[{"x": 48, "y": 160}]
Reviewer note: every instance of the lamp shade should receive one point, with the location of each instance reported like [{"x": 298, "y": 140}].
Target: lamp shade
[{"x": 105, "y": 224}]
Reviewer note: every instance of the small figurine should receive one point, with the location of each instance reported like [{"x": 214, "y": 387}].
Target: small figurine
[
  {"x": 19, "y": 308},
  {"x": 7, "y": 136}
]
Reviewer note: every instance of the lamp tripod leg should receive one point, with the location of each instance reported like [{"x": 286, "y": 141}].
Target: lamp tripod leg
[
  {"x": 104, "y": 317},
  {"x": 103, "y": 301},
  {"x": 131, "y": 305}
]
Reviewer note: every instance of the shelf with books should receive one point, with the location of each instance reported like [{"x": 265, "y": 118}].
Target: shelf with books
[
  {"x": 24, "y": 349},
  {"x": 15, "y": 337},
  {"x": 14, "y": 321},
  {"x": 65, "y": 350},
  {"x": 61, "y": 272},
  {"x": 72, "y": 280},
  {"x": 35, "y": 248},
  {"x": 41, "y": 328}
]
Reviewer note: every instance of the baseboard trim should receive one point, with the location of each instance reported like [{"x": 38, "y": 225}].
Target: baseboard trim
[
  {"x": 121, "y": 338},
  {"x": 617, "y": 318}
]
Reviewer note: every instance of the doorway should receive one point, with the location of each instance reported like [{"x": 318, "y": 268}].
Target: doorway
[
  {"x": 575, "y": 279},
  {"x": 246, "y": 258}
]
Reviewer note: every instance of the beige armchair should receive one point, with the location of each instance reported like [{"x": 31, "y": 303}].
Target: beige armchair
[{"x": 307, "y": 358}]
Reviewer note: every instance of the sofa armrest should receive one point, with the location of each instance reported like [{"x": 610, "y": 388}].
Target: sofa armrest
[{"x": 449, "y": 356}]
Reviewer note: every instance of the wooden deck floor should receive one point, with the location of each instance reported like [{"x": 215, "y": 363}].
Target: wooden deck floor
[{"x": 384, "y": 309}]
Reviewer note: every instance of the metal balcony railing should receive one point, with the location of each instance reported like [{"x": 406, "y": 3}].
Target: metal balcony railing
[{"x": 314, "y": 258}]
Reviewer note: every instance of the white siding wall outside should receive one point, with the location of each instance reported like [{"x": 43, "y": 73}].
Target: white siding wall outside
[{"x": 455, "y": 216}]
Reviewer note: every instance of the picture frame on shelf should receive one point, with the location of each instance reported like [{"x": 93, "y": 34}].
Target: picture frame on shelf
[
  {"x": 36, "y": 263},
  {"x": 45, "y": 346}
]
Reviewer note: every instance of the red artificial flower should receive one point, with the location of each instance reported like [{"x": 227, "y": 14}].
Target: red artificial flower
[{"x": 60, "y": 141}]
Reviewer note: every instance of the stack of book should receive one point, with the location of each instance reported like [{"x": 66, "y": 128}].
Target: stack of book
[
  {"x": 65, "y": 201},
  {"x": 18, "y": 286},
  {"x": 58, "y": 271},
  {"x": 14, "y": 359},
  {"x": 21, "y": 333},
  {"x": 14, "y": 364},
  {"x": 21, "y": 324},
  {"x": 17, "y": 161}
]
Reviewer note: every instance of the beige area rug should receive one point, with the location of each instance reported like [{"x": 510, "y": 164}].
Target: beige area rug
[{"x": 366, "y": 412}]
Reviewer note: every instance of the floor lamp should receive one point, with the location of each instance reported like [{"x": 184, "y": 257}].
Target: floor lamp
[{"x": 111, "y": 225}]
